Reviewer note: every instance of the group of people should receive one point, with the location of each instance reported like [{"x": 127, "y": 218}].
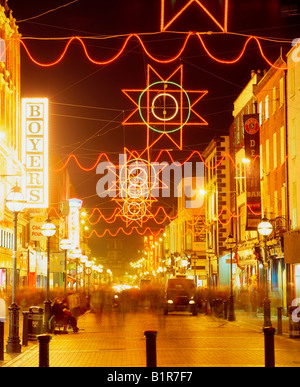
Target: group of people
[{"x": 63, "y": 315}]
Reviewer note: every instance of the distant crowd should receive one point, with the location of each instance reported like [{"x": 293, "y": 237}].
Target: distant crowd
[{"x": 105, "y": 298}]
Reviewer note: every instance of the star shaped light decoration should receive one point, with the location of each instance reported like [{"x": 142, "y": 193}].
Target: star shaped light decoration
[
  {"x": 165, "y": 107},
  {"x": 167, "y": 5}
]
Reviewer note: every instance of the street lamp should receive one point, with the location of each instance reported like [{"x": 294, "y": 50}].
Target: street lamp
[
  {"x": 48, "y": 229},
  {"x": 230, "y": 244},
  {"x": 15, "y": 203},
  {"x": 265, "y": 228}
]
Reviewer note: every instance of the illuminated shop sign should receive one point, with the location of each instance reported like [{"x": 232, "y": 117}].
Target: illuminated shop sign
[
  {"x": 35, "y": 150},
  {"x": 74, "y": 222},
  {"x": 36, "y": 224}
]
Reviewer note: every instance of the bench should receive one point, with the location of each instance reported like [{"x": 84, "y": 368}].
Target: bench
[{"x": 58, "y": 327}]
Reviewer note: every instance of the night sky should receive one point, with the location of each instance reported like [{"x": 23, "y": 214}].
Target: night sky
[{"x": 87, "y": 105}]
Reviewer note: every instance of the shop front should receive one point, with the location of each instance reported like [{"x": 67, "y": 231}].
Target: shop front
[
  {"x": 248, "y": 268},
  {"x": 3, "y": 280},
  {"x": 224, "y": 272},
  {"x": 41, "y": 270},
  {"x": 277, "y": 276},
  {"x": 57, "y": 269},
  {"x": 292, "y": 265},
  {"x": 6, "y": 244}
]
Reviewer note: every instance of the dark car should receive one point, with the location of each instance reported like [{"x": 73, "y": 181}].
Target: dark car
[{"x": 180, "y": 294}]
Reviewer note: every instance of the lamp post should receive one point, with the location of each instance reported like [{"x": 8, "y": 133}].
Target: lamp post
[
  {"x": 194, "y": 258},
  {"x": 65, "y": 244},
  {"x": 265, "y": 228},
  {"x": 48, "y": 229},
  {"x": 88, "y": 272},
  {"x": 15, "y": 203},
  {"x": 210, "y": 253},
  {"x": 230, "y": 244}
]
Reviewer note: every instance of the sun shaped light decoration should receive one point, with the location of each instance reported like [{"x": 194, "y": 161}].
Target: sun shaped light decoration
[{"x": 164, "y": 107}]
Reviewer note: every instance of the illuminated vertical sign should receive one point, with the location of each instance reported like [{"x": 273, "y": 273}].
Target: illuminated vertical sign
[
  {"x": 35, "y": 150},
  {"x": 74, "y": 222},
  {"x": 252, "y": 137}
]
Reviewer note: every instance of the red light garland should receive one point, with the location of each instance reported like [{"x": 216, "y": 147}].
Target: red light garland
[
  {"x": 146, "y": 51},
  {"x": 193, "y": 153},
  {"x": 147, "y": 230}
]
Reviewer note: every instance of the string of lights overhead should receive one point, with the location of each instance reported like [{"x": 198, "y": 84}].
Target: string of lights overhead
[{"x": 148, "y": 53}]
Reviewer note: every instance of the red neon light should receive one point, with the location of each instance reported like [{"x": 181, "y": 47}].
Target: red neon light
[
  {"x": 117, "y": 214},
  {"x": 152, "y": 77},
  {"x": 164, "y": 27},
  {"x": 121, "y": 229},
  {"x": 89, "y": 169},
  {"x": 171, "y": 59},
  {"x": 135, "y": 154},
  {"x": 241, "y": 53}
]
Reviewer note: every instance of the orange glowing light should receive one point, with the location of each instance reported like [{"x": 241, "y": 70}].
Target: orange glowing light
[
  {"x": 147, "y": 52},
  {"x": 135, "y": 154},
  {"x": 165, "y": 25},
  {"x": 171, "y": 127}
]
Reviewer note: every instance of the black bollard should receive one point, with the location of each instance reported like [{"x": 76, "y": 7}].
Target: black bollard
[
  {"x": 269, "y": 347},
  {"x": 25, "y": 329},
  {"x": 1, "y": 340},
  {"x": 279, "y": 320},
  {"x": 225, "y": 309},
  {"x": 44, "y": 341},
  {"x": 151, "y": 348}
]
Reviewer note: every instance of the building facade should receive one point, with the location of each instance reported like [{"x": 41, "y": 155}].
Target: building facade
[
  {"x": 246, "y": 266},
  {"x": 185, "y": 235},
  {"x": 11, "y": 168},
  {"x": 291, "y": 238},
  {"x": 272, "y": 104},
  {"x": 31, "y": 244},
  {"x": 219, "y": 218}
]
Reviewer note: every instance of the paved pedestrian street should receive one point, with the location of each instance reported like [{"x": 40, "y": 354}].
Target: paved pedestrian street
[{"x": 117, "y": 340}]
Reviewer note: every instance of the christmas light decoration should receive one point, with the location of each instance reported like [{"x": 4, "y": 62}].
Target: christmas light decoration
[
  {"x": 181, "y": 110},
  {"x": 151, "y": 56},
  {"x": 135, "y": 181},
  {"x": 158, "y": 157},
  {"x": 164, "y": 26},
  {"x": 164, "y": 107},
  {"x": 108, "y": 231}
]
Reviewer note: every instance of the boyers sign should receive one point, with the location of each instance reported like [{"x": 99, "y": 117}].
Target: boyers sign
[{"x": 35, "y": 150}]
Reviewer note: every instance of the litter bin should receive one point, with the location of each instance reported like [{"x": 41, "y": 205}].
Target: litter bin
[
  {"x": 294, "y": 323},
  {"x": 35, "y": 322}
]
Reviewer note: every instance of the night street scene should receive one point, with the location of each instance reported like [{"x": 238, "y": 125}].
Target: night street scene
[{"x": 149, "y": 177}]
